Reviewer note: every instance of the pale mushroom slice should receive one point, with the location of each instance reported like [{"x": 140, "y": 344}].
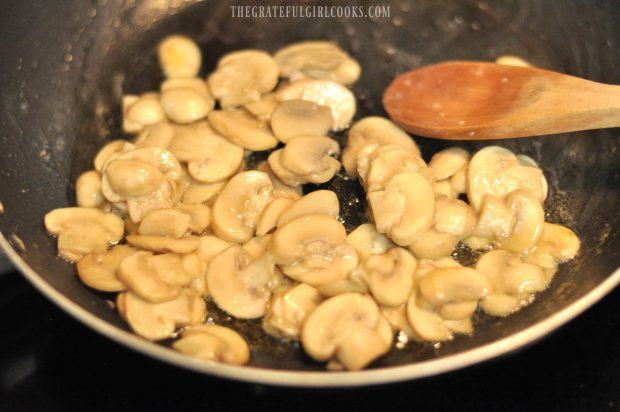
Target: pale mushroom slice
[
  {"x": 397, "y": 318},
  {"x": 269, "y": 218},
  {"x": 163, "y": 244},
  {"x": 156, "y": 135},
  {"x": 141, "y": 111},
  {"x": 158, "y": 321},
  {"x": 312, "y": 249},
  {"x": 213, "y": 343},
  {"x": 288, "y": 310},
  {"x": 199, "y": 216},
  {"x": 206, "y": 193},
  {"x": 287, "y": 177},
  {"x": 210, "y": 246},
  {"x": 428, "y": 326},
  {"x": 280, "y": 189},
  {"x": 88, "y": 189},
  {"x": 513, "y": 281},
  {"x": 238, "y": 284},
  {"x": 257, "y": 246},
  {"x": 242, "y": 77},
  {"x": 386, "y": 162},
  {"x": 390, "y": 276},
  {"x": 458, "y": 181},
  {"x": 495, "y": 219},
  {"x": 444, "y": 187},
  {"x": 111, "y": 149},
  {"x": 83, "y": 230},
  {"x": 98, "y": 270},
  {"x": 338, "y": 98},
  {"x": 558, "y": 244},
  {"x": 496, "y": 171},
  {"x": 125, "y": 178},
  {"x": 243, "y": 129},
  {"x": 367, "y": 241},
  {"x": 263, "y": 108},
  {"x": 319, "y": 60},
  {"x": 164, "y": 197},
  {"x": 319, "y": 202},
  {"x": 164, "y": 222},
  {"x": 237, "y": 209},
  {"x": 454, "y": 216},
  {"x": 185, "y": 105},
  {"x": 433, "y": 244},
  {"x": 528, "y": 224},
  {"x": 349, "y": 327},
  {"x": 179, "y": 57},
  {"x": 370, "y": 130},
  {"x": 310, "y": 157},
  {"x": 452, "y": 285},
  {"x": 449, "y": 161},
  {"x": 352, "y": 284},
  {"x": 405, "y": 209},
  {"x": 300, "y": 118}
]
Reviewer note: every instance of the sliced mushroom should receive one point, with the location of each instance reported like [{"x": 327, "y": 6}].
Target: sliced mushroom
[
  {"x": 370, "y": 130},
  {"x": 454, "y": 216},
  {"x": 496, "y": 171},
  {"x": 239, "y": 284},
  {"x": 310, "y": 157},
  {"x": 528, "y": 225},
  {"x": 141, "y": 111},
  {"x": 349, "y": 327},
  {"x": 558, "y": 244},
  {"x": 405, "y": 209},
  {"x": 162, "y": 244},
  {"x": 256, "y": 246},
  {"x": 388, "y": 161},
  {"x": 280, "y": 189},
  {"x": 454, "y": 285},
  {"x": 444, "y": 187},
  {"x": 433, "y": 244},
  {"x": 200, "y": 216},
  {"x": 288, "y": 310},
  {"x": 158, "y": 321},
  {"x": 287, "y": 177},
  {"x": 449, "y": 161},
  {"x": 496, "y": 219},
  {"x": 319, "y": 202},
  {"x": 109, "y": 150},
  {"x": 83, "y": 230},
  {"x": 202, "y": 192},
  {"x": 300, "y": 118},
  {"x": 353, "y": 284},
  {"x": 263, "y": 108},
  {"x": 338, "y": 98},
  {"x": 98, "y": 270},
  {"x": 319, "y": 60},
  {"x": 367, "y": 241},
  {"x": 458, "y": 181},
  {"x": 390, "y": 276},
  {"x": 242, "y": 129},
  {"x": 214, "y": 343},
  {"x": 224, "y": 161},
  {"x": 130, "y": 178},
  {"x": 179, "y": 57},
  {"x": 241, "y": 77},
  {"x": 312, "y": 249},
  {"x": 158, "y": 135},
  {"x": 164, "y": 222},
  {"x": 269, "y": 218},
  {"x": 240, "y": 204},
  {"x": 211, "y": 246},
  {"x": 428, "y": 326},
  {"x": 186, "y": 105},
  {"x": 88, "y": 189}
]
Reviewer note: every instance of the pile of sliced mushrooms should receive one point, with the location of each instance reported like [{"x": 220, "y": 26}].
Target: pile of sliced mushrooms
[{"x": 174, "y": 218}]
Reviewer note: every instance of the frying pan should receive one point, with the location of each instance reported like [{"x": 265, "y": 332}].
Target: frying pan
[{"x": 65, "y": 64}]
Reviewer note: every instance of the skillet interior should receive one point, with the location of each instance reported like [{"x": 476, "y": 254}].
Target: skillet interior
[{"x": 65, "y": 65}]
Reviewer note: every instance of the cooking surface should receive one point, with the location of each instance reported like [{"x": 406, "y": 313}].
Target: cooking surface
[{"x": 51, "y": 362}]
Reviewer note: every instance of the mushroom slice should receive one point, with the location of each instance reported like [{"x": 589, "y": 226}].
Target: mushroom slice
[
  {"x": 444, "y": 187},
  {"x": 388, "y": 161},
  {"x": 458, "y": 181},
  {"x": 194, "y": 83},
  {"x": 125, "y": 178},
  {"x": 88, "y": 189},
  {"x": 312, "y": 249},
  {"x": 319, "y": 60},
  {"x": 288, "y": 310},
  {"x": 263, "y": 108},
  {"x": 390, "y": 276},
  {"x": 162, "y": 198},
  {"x": 186, "y": 105},
  {"x": 164, "y": 222},
  {"x": 111, "y": 149},
  {"x": 496, "y": 171},
  {"x": 454, "y": 216},
  {"x": 141, "y": 111},
  {"x": 242, "y": 129},
  {"x": 433, "y": 244},
  {"x": 300, "y": 118},
  {"x": 239, "y": 284},
  {"x": 428, "y": 326},
  {"x": 513, "y": 281},
  {"x": 224, "y": 161},
  {"x": 311, "y": 158},
  {"x": 164, "y": 160},
  {"x": 496, "y": 219},
  {"x": 211, "y": 246},
  {"x": 338, "y": 98},
  {"x": 162, "y": 244},
  {"x": 367, "y": 241},
  {"x": 213, "y": 343},
  {"x": 240, "y": 204},
  {"x": 241, "y": 77},
  {"x": 319, "y": 202},
  {"x": 179, "y": 57},
  {"x": 349, "y": 327},
  {"x": 280, "y": 189},
  {"x": 558, "y": 244},
  {"x": 269, "y": 218},
  {"x": 200, "y": 216},
  {"x": 405, "y": 209},
  {"x": 528, "y": 225},
  {"x": 454, "y": 285},
  {"x": 370, "y": 130},
  {"x": 282, "y": 173},
  {"x": 256, "y": 246},
  {"x": 353, "y": 284},
  {"x": 158, "y": 321},
  {"x": 197, "y": 193},
  {"x": 449, "y": 161},
  {"x": 98, "y": 270},
  {"x": 157, "y": 135}
]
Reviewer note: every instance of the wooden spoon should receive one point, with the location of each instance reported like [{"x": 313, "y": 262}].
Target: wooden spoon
[{"x": 477, "y": 101}]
